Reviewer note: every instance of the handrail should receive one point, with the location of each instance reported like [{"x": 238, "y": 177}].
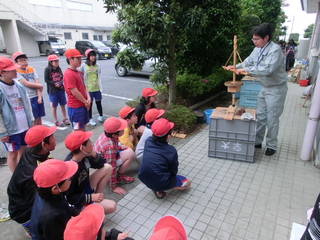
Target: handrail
[{"x": 26, "y": 15}]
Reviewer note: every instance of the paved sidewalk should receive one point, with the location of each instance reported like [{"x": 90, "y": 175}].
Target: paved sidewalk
[{"x": 227, "y": 199}]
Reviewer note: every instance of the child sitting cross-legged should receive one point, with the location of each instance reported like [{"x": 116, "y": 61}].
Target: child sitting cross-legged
[
  {"x": 86, "y": 188},
  {"x": 51, "y": 211}
]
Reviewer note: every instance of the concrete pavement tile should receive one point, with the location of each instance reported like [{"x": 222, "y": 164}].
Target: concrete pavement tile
[
  {"x": 196, "y": 234},
  {"x": 222, "y": 235}
]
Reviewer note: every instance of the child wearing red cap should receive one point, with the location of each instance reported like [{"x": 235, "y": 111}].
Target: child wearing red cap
[
  {"x": 151, "y": 115},
  {"x": 86, "y": 188},
  {"x": 129, "y": 137},
  {"x": 57, "y": 95},
  {"x": 51, "y": 211},
  {"x": 29, "y": 78},
  {"x": 159, "y": 167},
  {"x": 92, "y": 74},
  {"x": 169, "y": 228},
  {"x": 79, "y": 100},
  {"x": 22, "y": 188},
  {"x": 89, "y": 226},
  {"x": 147, "y": 101},
  {"x": 16, "y": 116},
  {"x": 118, "y": 156}
]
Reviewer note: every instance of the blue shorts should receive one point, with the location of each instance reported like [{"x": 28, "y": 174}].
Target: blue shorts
[
  {"x": 37, "y": 109},
  {"x": 58, "y": 98},
  {"x": 181, "y": 181},
  {"x": 95, "y": 95},
  {"x": 87, "y": 190},
  {"x": 78, "y": 117},
  {"x": 15, "y": 142}
]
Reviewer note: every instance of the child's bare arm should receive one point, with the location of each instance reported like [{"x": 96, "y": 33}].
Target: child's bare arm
[
  {"x": 75, "y": 92},
  {"x": 30, "y": 84},
  {"x": 38, "y": 92}
]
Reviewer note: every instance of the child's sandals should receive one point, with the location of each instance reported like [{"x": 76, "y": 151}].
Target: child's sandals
[{"x": 160, "y": 194}]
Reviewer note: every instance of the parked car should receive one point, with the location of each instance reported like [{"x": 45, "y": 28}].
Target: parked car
[
  {"x": 102, "y": 50},
  {"x": 147, "y": 68},
  {"x": 114, "y": 48},
  {"x": 52, "y": 46}
]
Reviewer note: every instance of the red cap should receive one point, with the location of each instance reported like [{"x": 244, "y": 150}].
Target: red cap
[
  {"x": 86, "y": 53},
  {"x": 169, "y": 228},
  {"x": 37, "y": 134},
  {"x": 75, "y": 139},
  {"x": 161, "y": 127},
  {"x": 72, "y": 52},
  {"x": 125, "y": 111},
  {"x": 147, "y": 92},
  {"x": 153, "y": 114},
  {"x": 113, "y": 124},
  {"x": 52, "y": 57},
  {"x": 17, "y": 54},
  {"x": 7, "y": 65},
  {"x": 86, "y": 225},
  {"x": 53, "y": 171}
]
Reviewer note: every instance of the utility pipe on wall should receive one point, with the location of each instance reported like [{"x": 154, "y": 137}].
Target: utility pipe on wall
[{"x": 312, "y": 124}]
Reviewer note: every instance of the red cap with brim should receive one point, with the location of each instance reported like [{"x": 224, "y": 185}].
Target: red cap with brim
[
  {"x": 7, "y": 65},
  {"x": 161, "y": 127},
  {"x": 169, "y": 228},
  {"x": 125, "y": 111},
  {"x": 17, "y": 54},
  {"x": 86, "y": 225},
  {"x": 72, "y": 52},
  {"x": 153, "y": 114},
  {"x": 37, "y": 134},
  {"x": 75, "y": 139},
  {"x": 53, "y": 171},
  {"x": 148, "y": 92},
  {"x": 113, "y": 124}
]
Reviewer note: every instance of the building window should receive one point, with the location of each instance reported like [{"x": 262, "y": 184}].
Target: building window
[
  {"x": 85, "y": 36},
  {"x": 108, "y": 37},
  {"x": 51, "y": 3},
  {"x": 79, "y": 6},
  {"x": 67, "y": 36},
  {"x": 97, "y": 37}
]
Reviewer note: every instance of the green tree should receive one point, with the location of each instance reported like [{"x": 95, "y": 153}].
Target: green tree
[
  {"x": 294, "y": 36},
  {"x": 190, "y": 32},
  {"x": 308, "y": 31}
]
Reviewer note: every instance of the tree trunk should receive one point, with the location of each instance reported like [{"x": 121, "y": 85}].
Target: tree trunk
[{"x": 172, "y": 69}]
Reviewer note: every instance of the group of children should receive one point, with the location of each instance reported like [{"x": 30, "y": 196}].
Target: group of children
[
  {"x": 39, "y": 198},
  {"x": 26, "y": 103}
]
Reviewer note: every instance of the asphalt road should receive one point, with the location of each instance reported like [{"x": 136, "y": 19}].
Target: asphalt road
[{"x": 116, "y": 92}]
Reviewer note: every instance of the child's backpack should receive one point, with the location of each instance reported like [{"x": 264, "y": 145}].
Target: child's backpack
[{"x": 290, "y": 50}]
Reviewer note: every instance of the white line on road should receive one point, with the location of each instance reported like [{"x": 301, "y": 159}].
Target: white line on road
[
  {"x": 124, "y": 98},
  {"x": 130, "y": 79},
  {"x": 51, "y": 124}
]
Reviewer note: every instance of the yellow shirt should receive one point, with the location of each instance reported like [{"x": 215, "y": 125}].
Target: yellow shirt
[{"x": 125, "y": 138}]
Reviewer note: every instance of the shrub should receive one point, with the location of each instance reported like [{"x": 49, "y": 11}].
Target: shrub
[
  {"x": 184, "y": 120},
  {"x": 194, "y": 88}
]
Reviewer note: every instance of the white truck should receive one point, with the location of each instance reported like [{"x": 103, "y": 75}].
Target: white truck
[{"x": 53, "y": 46}]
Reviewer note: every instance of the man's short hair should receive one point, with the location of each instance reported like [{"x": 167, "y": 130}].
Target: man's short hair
[{"x": 262, "y": 30}]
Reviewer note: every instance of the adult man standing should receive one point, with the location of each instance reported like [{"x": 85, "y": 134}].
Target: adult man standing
[{"x": 266, "y": 64}]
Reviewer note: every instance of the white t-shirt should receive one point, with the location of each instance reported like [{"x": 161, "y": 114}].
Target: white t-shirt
[
  {"x": 140, "y": 147},
  {"x": 15, "y": 100}
]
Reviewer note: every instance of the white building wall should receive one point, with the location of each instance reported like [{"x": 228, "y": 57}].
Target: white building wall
[
  {"x": 29, "y": 45},
  {"x": 11, "y": 36}
]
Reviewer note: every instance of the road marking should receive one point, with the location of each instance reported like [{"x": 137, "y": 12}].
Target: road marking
[
  {"x": 124, "y": 98},
  {"x": 51, "y": 124},
  {"x": 130, "y": 79}
]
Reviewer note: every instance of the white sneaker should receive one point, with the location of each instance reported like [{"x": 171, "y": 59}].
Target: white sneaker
[
  {"x": 100, "y": 118},
  {"x": 92, "y": 122}
]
